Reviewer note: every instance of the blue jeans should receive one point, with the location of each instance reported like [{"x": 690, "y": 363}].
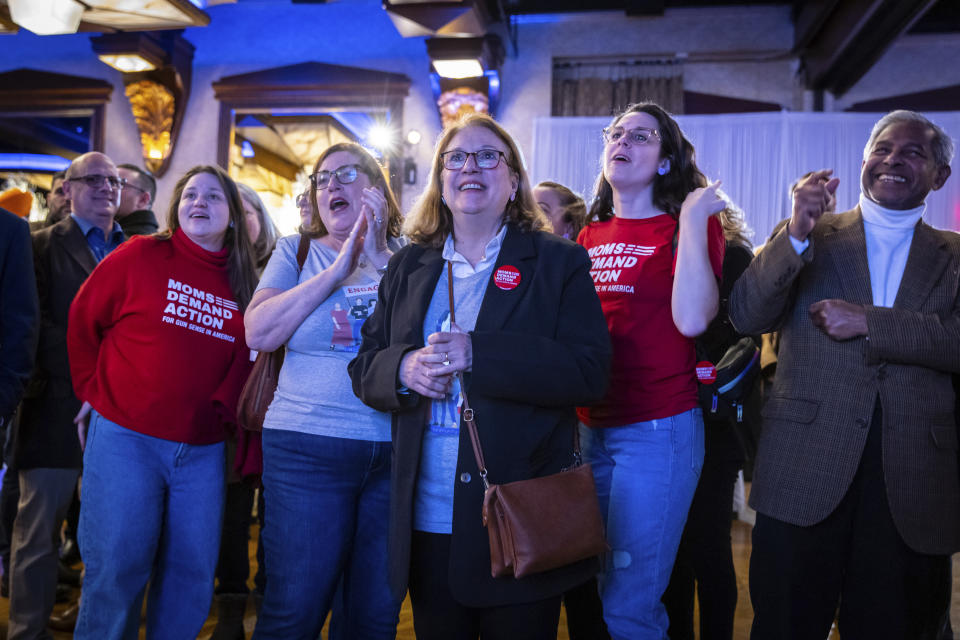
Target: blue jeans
[
  {"x": 327, "y": 507},
  {"x": 151, "y": 511},
  {"x": 646, "y": 474}
]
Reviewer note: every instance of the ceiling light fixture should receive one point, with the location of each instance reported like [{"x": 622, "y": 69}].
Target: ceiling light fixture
[
  {"x": 465, "y": 68},
  {"x": 465, "y": 57},
  {"x": 127, "y": 62},
  {"x": 46, "y": 17}
]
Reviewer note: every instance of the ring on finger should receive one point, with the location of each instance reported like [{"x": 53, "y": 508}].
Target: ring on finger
[{"x": 446, "y": 360}]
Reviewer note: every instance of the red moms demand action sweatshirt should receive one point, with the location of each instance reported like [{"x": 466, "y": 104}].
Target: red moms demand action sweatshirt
[{"x": 156, "y": 340}]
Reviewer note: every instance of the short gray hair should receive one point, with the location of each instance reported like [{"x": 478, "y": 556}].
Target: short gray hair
[{"x": 942, "y": 145}]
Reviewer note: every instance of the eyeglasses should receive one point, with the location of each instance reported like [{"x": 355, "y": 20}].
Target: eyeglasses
[
  {"x": 96, "y": 181},
  {"x": 130, "y": 185},
  {"x": 639, "y": 136},
  {"x": 345, "y": 175},
  {"x": 485, "y": 158},
  {"x": 302, "y": 200}
]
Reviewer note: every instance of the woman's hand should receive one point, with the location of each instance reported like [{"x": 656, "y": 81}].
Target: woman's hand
[
  {"x": 455, "y": 347},
  {"x": 702, "y": 203},
  {"x": 374, "y": 212},
  {"x": 346, "y": 261},
  {"x": 82, "y": 420},
  {"x": 420, "y": 372},
  {"x": 430, "y": 370}
]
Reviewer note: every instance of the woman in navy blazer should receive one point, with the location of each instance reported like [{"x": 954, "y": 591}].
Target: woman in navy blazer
[{"x": 530, "y": 342}]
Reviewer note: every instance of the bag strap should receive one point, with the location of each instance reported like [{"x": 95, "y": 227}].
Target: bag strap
[
  {"x": 302, "y": 250},
  {"x": 468, "y": 413}
]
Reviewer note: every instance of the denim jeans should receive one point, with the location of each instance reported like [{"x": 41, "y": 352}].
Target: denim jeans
[
  {"x": 646, "y": 474},
  {"x": 327, "y": 507},
  {"x": 150, "y": 511}
]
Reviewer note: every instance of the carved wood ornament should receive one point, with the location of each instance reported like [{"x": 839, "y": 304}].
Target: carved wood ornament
[{"x": 153, "y": 109}]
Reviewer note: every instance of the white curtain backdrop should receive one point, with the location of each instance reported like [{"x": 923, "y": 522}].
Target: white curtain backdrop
[{"x": 757, "y": 156}]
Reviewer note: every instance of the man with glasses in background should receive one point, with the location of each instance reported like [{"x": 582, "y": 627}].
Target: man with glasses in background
[
  {"x": 136, "y": 200},
  {"x": 46, "y": 449}
]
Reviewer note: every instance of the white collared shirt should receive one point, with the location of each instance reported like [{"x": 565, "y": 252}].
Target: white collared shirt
[{"x": 462, "y": 267}]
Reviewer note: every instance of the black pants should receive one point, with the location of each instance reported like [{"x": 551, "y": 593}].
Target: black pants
[
  {"x": 705, "y": 556},
  {"x": 233, "y": 565},
  {"x": 585, "y": 612},
  {"x": 9, "y": 499},
  {"x": 437, "y": 616},
  {"x": 854, "y": 558}
]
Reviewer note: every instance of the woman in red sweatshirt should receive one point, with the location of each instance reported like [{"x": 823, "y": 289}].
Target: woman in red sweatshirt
[{"x": 157, "y": 354}]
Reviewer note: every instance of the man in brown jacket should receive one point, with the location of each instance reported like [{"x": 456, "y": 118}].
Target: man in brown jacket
[{"x": 856, "y": 482}]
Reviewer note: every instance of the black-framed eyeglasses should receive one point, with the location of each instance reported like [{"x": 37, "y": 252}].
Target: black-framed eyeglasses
[
  {"x": 638, "y": 136},
  {"x": 345, "y": 175},
  {"x": 96, "y": 181},
  {"x": 485, "y": 158}
]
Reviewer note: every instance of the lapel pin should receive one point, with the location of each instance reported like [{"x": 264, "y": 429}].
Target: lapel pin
[{"x": 506, "y": 278}]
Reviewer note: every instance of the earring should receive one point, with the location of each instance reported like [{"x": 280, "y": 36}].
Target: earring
[
  {"x": 665, "y": 169},
  {"x": 231, "y": 224},
  {"x": 513, "y": 196},
  {"x": 443, "y": 201}
]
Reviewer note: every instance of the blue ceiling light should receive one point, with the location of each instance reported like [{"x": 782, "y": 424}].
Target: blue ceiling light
[{"x": 32, "y": 162}]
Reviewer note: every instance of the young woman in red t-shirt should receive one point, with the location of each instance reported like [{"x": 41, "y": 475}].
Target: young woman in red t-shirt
[{"x": 657, "y": 251}]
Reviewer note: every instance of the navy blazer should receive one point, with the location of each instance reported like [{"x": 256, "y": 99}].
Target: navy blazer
[
  {"x": 539, "y": 350},
  {"x": 46, "y": 435},
  {"x": 18, "y": 311}
]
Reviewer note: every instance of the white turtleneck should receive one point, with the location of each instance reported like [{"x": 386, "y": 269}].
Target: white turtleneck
[{"x": 889, "y": 233}]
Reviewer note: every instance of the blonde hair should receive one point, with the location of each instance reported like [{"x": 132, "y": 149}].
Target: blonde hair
[
  {"x": 574, "y": 208},
  {"x": 431, "y": 220},
  {"x": 736, "y": 231}
]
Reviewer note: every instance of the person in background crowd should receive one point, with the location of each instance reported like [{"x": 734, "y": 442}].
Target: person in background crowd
[
  {"x": 58, "y": 203},
  {"x": 263, "y": 231},
  {"x": 567, "y": 213},
  {"x": 306, "y": 212},
  {"x": 704, "y": 560},
  {"x": 233, "y": 567},
  {"x": 19, "y": 320},
  {"x": 158, "y": 356},
  {"x": 136, "y": 200},
  {"x": 529, "y": 346},
  {"x": 46, "y": 452},
  {"x": 856, "y": 483},
  {"x": 566, "y": 210},
  {"x": 645, "y": 438},
  {"x": 326, "y": 474}
]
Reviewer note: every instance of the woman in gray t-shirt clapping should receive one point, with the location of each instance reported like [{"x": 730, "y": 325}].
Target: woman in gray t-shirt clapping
[{"x": 326, "y": 456}]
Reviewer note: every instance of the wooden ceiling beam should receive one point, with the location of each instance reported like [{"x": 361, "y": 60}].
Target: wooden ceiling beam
[{"x": 839, "y": 41}]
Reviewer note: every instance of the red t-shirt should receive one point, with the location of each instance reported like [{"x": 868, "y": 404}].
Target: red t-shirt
[
  {"x": 652, "y": 375},
  {"x": 156, "y": 340}
]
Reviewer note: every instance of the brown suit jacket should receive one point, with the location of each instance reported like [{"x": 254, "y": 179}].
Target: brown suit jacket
[
  {"x": 46, "y": 436},
  {"x": 817, "y": 417}
]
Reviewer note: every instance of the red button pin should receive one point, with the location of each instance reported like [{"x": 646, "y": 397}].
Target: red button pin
[
  {"x": 706, "y": 372},
  {"x": 507, "y": 278}
]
